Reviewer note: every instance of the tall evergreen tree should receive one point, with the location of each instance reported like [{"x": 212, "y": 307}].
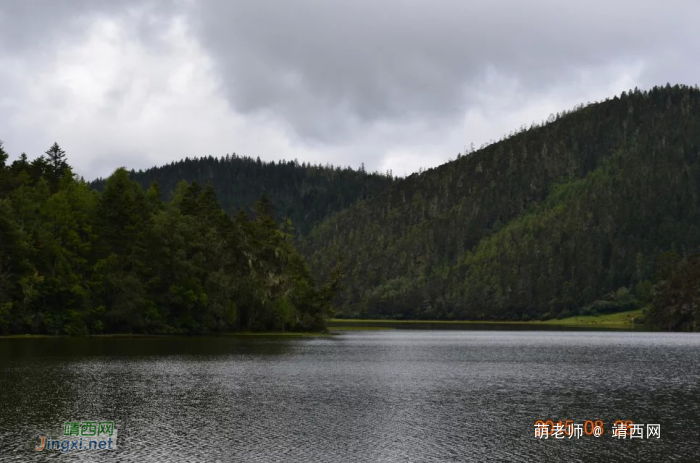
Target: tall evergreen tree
[
  {"x": 56, "y": 163},
  {"x": 3, "y": 156}
]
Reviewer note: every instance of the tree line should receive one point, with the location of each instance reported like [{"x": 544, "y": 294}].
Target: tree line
[
  {"x": 75, "y": 260},
  {"x": 302, "y": 192}
]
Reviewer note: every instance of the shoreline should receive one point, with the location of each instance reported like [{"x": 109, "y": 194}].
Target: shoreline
[
  {"x": 170, "y": 336},
  {"x": 615, "y": 320},
  {"x": 620, "y": 320}
]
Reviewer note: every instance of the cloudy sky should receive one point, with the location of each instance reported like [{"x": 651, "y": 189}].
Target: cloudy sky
[{"x": 392, "y": 84}]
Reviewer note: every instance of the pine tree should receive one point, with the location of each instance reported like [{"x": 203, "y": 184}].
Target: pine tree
[
  {"x": 3, "y": 156},
  {"x": 56, "y": 160}
]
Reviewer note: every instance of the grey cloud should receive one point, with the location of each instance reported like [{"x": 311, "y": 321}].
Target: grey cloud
[
  {"x": 369, "y": 61},
  {"x": 362, "y": 78},
  {"x": 38, "y": 26}
]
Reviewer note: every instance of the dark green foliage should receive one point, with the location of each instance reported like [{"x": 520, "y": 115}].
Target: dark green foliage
[
  {"x": 304, "y": 193},
  {"x": 553, "y": 219},
  {"x": 3, "y": 156},
  {"x": 676, "y": 300},
  {"x": 76, "y": 261},
  {"x": 56, "y": 162}
]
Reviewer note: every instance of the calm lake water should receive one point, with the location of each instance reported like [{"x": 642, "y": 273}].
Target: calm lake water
[{"x": 362, "y": 396}]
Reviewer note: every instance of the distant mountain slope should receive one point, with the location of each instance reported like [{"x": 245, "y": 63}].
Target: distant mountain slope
[
  {"x": 589, "y": 206},
  {"x": 302, "y": 192}
]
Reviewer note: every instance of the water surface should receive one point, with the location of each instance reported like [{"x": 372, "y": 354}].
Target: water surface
[{"x": 362, "y": 396}]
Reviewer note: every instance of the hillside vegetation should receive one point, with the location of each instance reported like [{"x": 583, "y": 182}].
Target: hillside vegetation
[
  {"x": 303, "y": 193},
  {"x": 589, "y": 213}
]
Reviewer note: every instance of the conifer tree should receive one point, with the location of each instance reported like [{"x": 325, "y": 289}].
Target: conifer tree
[{"x": 56, "y": 157}]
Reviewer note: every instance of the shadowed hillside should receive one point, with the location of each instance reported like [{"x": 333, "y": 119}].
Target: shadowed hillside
[
  {"x": 587, "y": 212},
  {"x": 304, "y": 193}
]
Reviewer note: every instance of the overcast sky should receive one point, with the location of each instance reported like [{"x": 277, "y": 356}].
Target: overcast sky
[{"x": 393, "y": 84}]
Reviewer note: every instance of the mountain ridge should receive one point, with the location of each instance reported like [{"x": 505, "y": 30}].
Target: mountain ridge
[
  {"x": 304, "y": 193},
  {"x": 404, "y": 249}
]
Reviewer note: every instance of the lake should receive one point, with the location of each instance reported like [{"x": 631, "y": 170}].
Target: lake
[{"x": 359, "y": 396}]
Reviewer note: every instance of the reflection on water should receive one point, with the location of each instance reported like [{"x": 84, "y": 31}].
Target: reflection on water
[
  {"x": 361, "y": 396},
  {"x": 478, "y": 326}
]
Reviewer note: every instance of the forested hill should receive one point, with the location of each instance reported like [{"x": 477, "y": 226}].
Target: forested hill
[
  {"x": 597, "y": 208},
  {"x": 304, "y": 193}
]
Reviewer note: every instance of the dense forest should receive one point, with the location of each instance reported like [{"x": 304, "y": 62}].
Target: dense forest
[
  {"x": 595, "y": 210},
  {"x": 303, "y": 193},
  {"x": 598, "y": 209},
  {"x": 74, "y": 260}
]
